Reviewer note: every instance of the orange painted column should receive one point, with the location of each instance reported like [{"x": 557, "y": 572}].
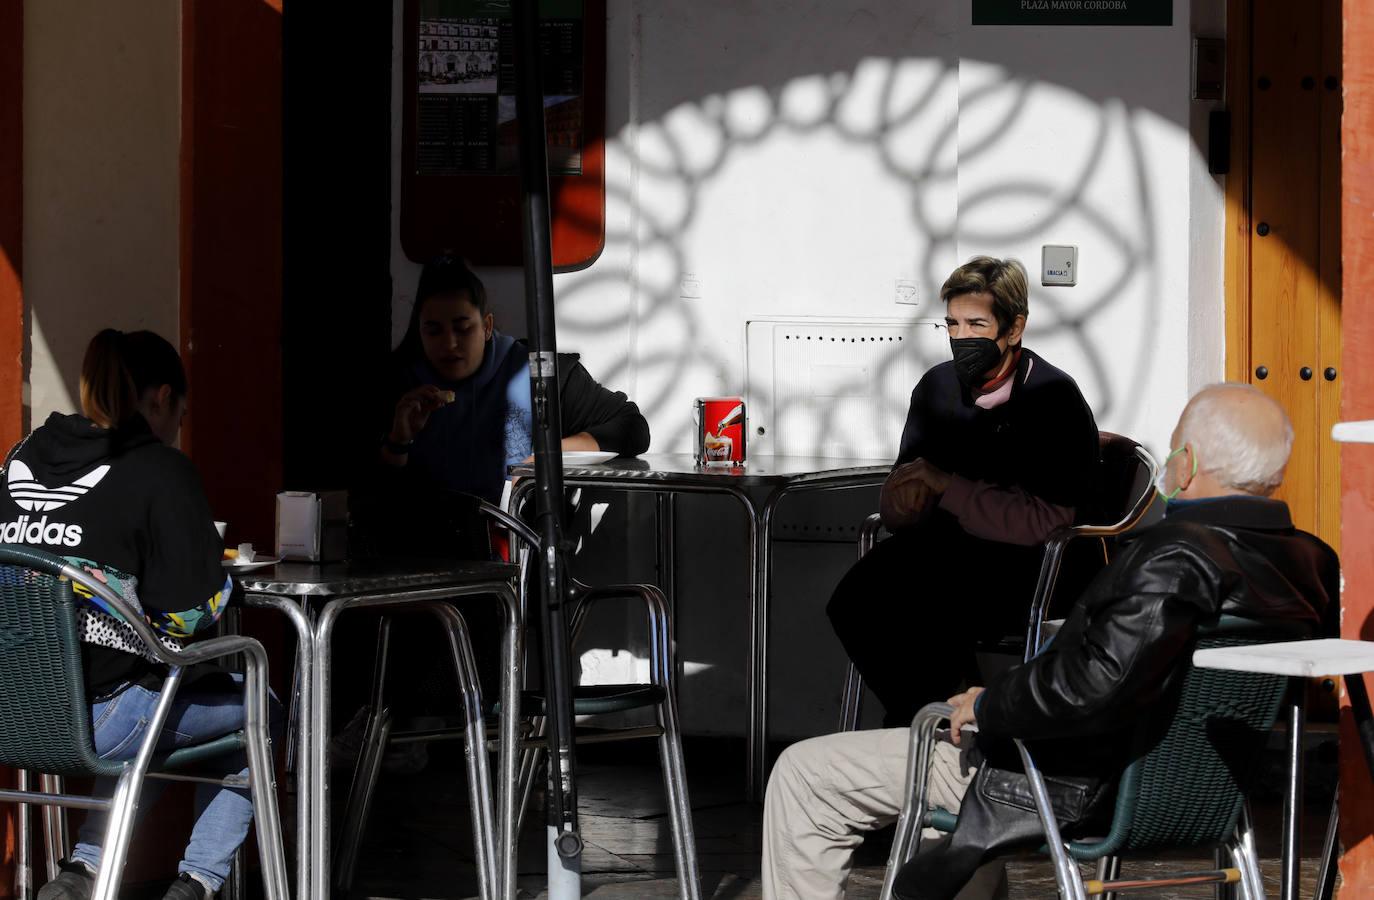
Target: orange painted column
[
  {"x": 1357, "y": 402},
  {"x": 11, "y": 300}
]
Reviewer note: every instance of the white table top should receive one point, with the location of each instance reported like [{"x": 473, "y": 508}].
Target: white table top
[
  {"x": 1354, "y": 432},
  {"x": 1307, "y": 659}
]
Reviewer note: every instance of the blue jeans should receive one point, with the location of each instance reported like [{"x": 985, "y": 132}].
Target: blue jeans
[{"x": 197, "y": 716}]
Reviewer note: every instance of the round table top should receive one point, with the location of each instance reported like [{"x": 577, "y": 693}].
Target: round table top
[{"x": 1304, "y": 659}]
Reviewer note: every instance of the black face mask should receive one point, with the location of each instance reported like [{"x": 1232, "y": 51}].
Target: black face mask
[{"x": 973, "y": 359}]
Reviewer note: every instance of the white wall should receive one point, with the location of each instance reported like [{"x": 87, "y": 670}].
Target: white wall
[
  {"x": 101, "y": 137},
  {"x": 798, "y": 159}
]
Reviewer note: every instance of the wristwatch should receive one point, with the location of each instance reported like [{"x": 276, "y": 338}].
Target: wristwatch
[{"x": 397, "y": 448}]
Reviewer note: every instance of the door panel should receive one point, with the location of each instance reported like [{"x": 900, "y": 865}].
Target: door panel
[
  {"x": 1329, "y": 296},
  {"x": 1294, "y": 285}
]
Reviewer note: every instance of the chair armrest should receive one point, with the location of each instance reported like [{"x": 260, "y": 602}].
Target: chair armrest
[
  {"x": 868, "y": 533},
  {"x": 657, "y": 619},
  {"x": 907, "y": 840},
  {"x": 931, "y": 713},
  {"x": 1059, "y": 539},
  {"x": 1142, "y": 504},
  {"x": 511, "y": 522}
]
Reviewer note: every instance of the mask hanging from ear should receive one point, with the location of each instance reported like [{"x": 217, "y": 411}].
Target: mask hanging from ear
[
  {"x": 1170, "y": 495},
  {"x": 973, "y": 359}
]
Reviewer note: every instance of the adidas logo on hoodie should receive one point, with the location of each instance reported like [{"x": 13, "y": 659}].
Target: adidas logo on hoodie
[{"x": 29, "y": 494}]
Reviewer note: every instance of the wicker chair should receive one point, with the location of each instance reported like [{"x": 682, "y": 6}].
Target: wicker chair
[
  {"x": 1184, "y": 787},
  {"x": 45, "y": 718}
]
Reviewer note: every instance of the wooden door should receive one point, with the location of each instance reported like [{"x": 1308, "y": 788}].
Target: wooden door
[{"x": 1283, "y": 290}]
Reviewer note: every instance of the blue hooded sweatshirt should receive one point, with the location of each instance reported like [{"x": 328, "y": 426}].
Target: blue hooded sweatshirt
[{"x": 467, "y": 444}]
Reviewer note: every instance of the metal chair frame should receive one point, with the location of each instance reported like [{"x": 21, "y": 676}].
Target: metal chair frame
[
  {"x": 666, "y": 730},
  {"x": 661, "y": 675},
  {"x": 1244, "y": 874},
  {"x": 851, "y": 694},
  {"x": 123, "y": 804},
  {"x": 492, "y": 860}
]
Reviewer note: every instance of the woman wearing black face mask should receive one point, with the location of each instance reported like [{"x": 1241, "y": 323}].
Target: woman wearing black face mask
[{"x": 999, "y": 450}]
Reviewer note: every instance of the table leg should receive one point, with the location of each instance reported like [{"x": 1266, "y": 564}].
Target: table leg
[
  {"x": 304, "y": 680},
  {"x": 319, "y": 730},
  {"x": 760, "y": 599},
  {"x": 1326, "y": 876},
  {"x": 754, "y": 736},
  {"x": 763, "y": 617},
  {"x": 1290, "y": 877},
  {"x": 368, "y": 765},
  {"x": 665, "y": 517}
]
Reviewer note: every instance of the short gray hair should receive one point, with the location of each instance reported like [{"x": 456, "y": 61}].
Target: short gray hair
[
  {"x": 1004, "y": 279},
  {"x": 1238, "y": 449}
]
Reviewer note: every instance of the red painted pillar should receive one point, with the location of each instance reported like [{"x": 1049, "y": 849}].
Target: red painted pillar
[
  {"x": 11, "y": 299},
  {"x": 231, "y": 257},
  {"x": 1357, "y": 402}
]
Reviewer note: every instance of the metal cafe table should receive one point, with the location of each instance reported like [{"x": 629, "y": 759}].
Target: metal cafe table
[
  {"x": 1301, "y": 660},
  {"x": 758, "y": 486},
  {"x": 312, "y": 597}
]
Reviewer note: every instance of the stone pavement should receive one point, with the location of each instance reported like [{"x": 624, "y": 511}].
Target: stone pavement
[{"x": 418, "y": 845}]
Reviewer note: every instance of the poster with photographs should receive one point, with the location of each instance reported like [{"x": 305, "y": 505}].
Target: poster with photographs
[{"x": 465, "y": 78}]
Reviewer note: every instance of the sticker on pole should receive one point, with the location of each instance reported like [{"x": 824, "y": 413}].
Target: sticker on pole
[{"x": 543, "y": 364}]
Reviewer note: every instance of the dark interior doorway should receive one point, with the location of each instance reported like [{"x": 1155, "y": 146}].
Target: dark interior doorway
[{"x": 336, "y": 306}]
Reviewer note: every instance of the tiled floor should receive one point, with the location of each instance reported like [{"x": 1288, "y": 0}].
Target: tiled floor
[{"x": 418, "y": 844}]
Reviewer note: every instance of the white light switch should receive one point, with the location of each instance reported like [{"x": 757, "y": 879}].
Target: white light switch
[
  {"x": 906, "y": 292},
  {"x": 1059, "y": 264}
]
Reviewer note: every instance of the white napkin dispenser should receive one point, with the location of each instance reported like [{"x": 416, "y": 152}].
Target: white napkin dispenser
[{"x": 312, "y": 526}]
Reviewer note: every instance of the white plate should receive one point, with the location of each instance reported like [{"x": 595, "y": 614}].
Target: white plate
[
  {"x": 249, "y": 566},
  {"x": 586, "y": 457}
]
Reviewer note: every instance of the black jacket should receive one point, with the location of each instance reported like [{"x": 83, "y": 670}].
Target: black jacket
[
  {"x": 1042, "y": 440},
  {"x": 1119, "y": 649},
  {"x": 467, "y": 445},
  {"x": 1076, "y": 703},
  {"x": 607, "y": 415},
  {"x": 123, "y": 502}
]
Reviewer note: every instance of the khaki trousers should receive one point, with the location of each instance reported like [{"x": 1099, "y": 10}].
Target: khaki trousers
[{"x": 826, "y": 792}]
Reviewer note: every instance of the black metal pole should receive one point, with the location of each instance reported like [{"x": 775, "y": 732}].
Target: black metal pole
[{"x": 548, "y": 458}]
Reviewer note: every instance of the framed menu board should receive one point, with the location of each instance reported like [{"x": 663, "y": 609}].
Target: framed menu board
[{"x": 460, "y": 189}]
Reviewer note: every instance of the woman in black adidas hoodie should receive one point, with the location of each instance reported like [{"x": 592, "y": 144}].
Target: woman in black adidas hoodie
[{"x": 106, "y": 490}]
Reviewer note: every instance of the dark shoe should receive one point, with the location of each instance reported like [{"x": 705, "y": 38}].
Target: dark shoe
[
  {"x": 74, "y": 882},
  {"x": 187, "y": 887}
]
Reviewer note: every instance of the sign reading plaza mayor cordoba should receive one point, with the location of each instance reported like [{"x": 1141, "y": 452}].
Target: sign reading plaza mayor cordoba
[{"x": 1073, "y": 12}]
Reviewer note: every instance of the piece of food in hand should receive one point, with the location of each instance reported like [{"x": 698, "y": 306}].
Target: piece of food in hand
[
  {"x": 230, "y": 554},
  {"x": 447, "y": 396}
]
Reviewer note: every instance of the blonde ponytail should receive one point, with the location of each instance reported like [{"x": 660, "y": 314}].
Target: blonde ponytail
[
  {"x": 108, "y": 393},
  {"x": 120, "y": 367}
]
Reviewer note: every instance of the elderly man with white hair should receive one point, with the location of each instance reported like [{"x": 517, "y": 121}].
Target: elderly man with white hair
[{"x": 1224, "y": 547}]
